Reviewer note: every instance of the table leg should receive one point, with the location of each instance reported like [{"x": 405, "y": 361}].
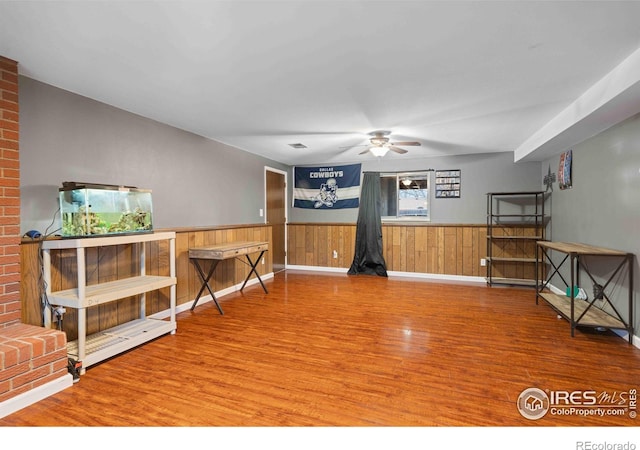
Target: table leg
[
  {"x": 253, "y": 265},
  {"x": 205, "y": 283}
]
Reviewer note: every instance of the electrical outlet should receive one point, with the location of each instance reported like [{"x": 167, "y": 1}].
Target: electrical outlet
[
  {"x": 335, "y": 254},
  {"x": 262, "y": 261},
  {"x": 261, "y": 212},
  {"x": 483, "y": 262}
]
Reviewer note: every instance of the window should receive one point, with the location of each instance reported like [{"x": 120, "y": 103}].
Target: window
[{"x": 405, "y": 196}]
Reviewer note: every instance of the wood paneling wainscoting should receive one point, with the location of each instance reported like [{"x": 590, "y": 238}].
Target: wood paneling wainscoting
[
  {"x": 312, "y": 244},
  {"x": 444, "y": 249},
  {"x": 112, "y": 263}
]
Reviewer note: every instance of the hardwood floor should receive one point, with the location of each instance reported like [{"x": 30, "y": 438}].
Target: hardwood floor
[{"x": 338, "y": 350}]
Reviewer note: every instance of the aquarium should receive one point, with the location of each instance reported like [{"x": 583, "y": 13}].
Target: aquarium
[{"x": 88, "y": 209}]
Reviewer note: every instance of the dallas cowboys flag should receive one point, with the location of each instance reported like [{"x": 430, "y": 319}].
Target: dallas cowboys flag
[{"x": 330, "y": 187}]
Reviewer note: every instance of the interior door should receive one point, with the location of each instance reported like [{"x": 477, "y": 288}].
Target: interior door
[{"x": 276, "y": 216}]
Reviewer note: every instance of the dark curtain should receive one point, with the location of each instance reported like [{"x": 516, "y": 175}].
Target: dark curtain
[{"x": 368, "y": 257}]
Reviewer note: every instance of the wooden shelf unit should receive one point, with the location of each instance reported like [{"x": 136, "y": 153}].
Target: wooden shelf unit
[
  {"x": 97, "y": 347},
  {"x": 515, "y": 253},
  {"x": 584, "y": 312}
]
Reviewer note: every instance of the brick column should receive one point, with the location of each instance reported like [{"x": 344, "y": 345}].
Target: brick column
[
  {"x": 10, "y": 307},
  {"x": 30, "y": 357}
]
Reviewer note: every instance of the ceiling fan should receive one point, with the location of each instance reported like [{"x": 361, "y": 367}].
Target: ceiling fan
[{"x": 380, "y": 145}]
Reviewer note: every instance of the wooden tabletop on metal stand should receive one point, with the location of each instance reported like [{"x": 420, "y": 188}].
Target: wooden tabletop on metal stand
[{"x": 217, "y": 253}]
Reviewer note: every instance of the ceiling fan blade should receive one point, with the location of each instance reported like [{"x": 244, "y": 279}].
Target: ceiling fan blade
[
  {"x": 354, "y": 146},
  {"x": 405, "y": 144},
  {"x": 397, "y": 149},
  {"x": 363, "y": 152}
]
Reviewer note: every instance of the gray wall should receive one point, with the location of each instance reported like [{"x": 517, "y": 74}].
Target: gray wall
[
  {"x": 603, "y": 206},
  {"x": 67, "y": 137},
  {"x": 480, "y": 173}
]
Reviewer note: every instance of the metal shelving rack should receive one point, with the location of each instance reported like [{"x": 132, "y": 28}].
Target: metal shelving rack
[{"x": 511, "y": 209}]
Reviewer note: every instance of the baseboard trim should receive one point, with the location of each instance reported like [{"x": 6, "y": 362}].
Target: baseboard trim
[
  {"x": 35, "y": 395},
  {"x": 397, "y": 274},
  {"x": 317, "y": 269}
]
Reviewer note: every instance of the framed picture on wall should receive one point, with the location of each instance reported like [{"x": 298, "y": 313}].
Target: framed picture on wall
[
  {"x": 564, "y": 170},
  {"x": 448, "y": 183}
]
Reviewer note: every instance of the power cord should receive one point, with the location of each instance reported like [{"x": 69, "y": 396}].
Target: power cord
[{"x": 42, "y": 284}]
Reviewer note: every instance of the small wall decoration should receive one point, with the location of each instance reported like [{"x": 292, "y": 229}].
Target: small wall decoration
[
  {"x": 549, "y": 179},
  {"x": 564, "y": 170},
  {"x": 448, "y": 183}
]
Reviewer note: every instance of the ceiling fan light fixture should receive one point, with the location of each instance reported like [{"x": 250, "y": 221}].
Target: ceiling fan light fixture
[
  {"x": 379, "y": 140},
  {"x": 379, "y": 144},
  {"x": 379, "y": 150}
]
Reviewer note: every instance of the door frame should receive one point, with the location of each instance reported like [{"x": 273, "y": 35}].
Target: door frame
[{"x": 286, "y": 206}]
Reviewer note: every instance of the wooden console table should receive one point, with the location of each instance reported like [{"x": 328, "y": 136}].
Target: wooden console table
[
  {"x": 217, "y": 253},
  {"x": 584, "y": 312}
]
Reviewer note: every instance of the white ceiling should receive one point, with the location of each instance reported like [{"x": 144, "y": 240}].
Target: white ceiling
[{"x": 460, "y": 77}]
